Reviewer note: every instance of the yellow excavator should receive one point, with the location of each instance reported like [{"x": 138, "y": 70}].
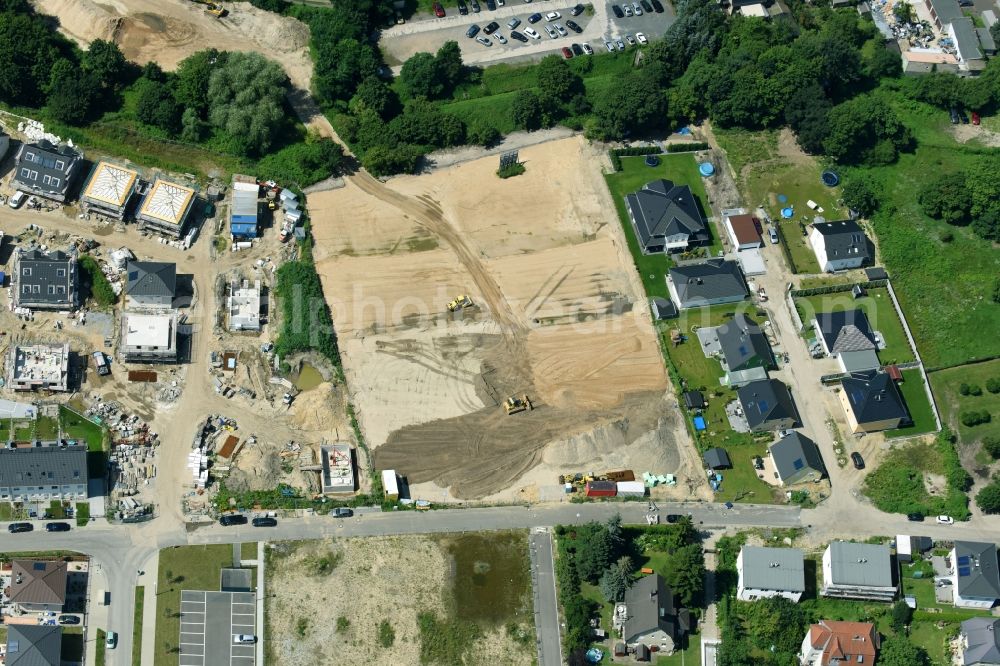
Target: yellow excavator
[
  {"x": 218, "y": 11},
  {"x": 459, "y": 303},
  {"x": 513, "y": 404}
]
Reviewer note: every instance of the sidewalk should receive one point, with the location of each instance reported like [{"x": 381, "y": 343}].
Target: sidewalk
[{"x": 148, "y": 637}]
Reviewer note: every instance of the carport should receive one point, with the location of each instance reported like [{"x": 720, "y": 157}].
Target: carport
[{"x": 208, "y": 622}]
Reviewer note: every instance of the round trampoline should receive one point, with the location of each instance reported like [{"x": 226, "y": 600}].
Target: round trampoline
[
  {"x": 782, "y": 198},
  {"x": 830, "y": 178},
  {"x": 652, "y": 160},
  {"x": 706, "y": 169},
  {"x": 787, "y": 213}
]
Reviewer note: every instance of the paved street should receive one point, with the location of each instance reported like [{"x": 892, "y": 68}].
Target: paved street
[{"x": 543, "y": 579}]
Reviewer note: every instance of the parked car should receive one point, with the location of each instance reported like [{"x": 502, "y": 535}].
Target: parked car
[
  {"x": 657, "y": 6},
  {"x": 14, "y": 528},
  {"x": 641, "y": 38},
  {"x": 773, "y": 233},
  {"x": 859, "y": 462},
  {"x": 915, "y": 517},
  {"x": 513, "y": 23},
  {"x": 514, "y": 34},
  {"x": 627, "y": 9},
  {"x": 57, "y": 527},
  {"x": 610, "y": 47},
  {"x": 531, "y": 32},
  {"x": 343, "y": 512},
  {"x": 65, "y": 620},
  {"x": 636, "y": 9},
  {"x": 491, "y": 27},
  {"x": 620, "y": 44},
  {"x": 475, "y": 7},
  {"x": 673, "y": 517},
  {"x": 551, "y": 32},
  {"x": 577, "y": 49},
  {"x": 438, "y": 11},
  {"x": 646, "y": 6},
  {"x": 577, "y": 10},
  {"x": 588, "y": 49},
  {"x": 567, "y": 53},
  {"x": 18, "y": 199},
  {"x": 553, "y": 16},
  {"x": 500, "y": 38},
  {"x": 945, "y": 520},
  {"x": 231, "y": 519},
  {"x": 484, "y": 41},
  {"x": 975, "y": 118},
  {"x": 264, "y": 521},
  {"x": 463, "y": 8},
  {"x": 630, "y": 39},
  {"x": 964, "y": 116},
  {"x": 244, "y": 638},
  {"x": 491, "y": 5},
  {"x": 572, "y": 25},
  {"x": 534, "y": 18},
  {"x": 953, "y": 112},
  {"x": 111, "y": 641},
  {"x": 472, "y": 31},
  {"x": 101, "y": 363},
  {"x": 560, "y": 29},
  {"x": 617, "y": 11}
]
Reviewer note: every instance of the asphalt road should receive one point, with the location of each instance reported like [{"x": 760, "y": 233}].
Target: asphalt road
[{"x": 543, "y": 580}]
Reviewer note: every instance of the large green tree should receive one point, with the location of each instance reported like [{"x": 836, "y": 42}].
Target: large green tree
[
  {"x": 865, "y": 129},
  {"x": 617, "y": 579},
  {"x": 419, "y": 76},
  {"x": 632, "y": 105},
  {"x": 74, "y": 96},
  {"x": 899, "y": 651},
  {"x": 246, "y": 101},
  {"x": 988, "y": 499},
  {"x": 29, "y": 48},
  {"x": 686, "y": 573},
  {"x": 947, "y": 199},
  {"x": 108, "y": 64},
  {"x": 774, "y": 623},
  {"x": 192, "y": 78}
]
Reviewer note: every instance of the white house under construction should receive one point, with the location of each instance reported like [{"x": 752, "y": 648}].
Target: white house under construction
[
  {"x": 38, "y": 367},
  {"x": 149, "y": 337}
]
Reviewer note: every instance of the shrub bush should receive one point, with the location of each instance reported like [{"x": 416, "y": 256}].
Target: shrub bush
[
  {"x": 992, "y": 446},
  {"x": 993, "y": 385},
  {"x": 973, "y": 418}
]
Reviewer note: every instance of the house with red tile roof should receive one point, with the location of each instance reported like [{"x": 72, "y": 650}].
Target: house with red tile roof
[{"x": 831, "y": 643}]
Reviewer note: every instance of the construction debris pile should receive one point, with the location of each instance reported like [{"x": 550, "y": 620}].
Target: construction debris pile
[
  {"x": 204, "y": 443},
  {"x": 124, "y": 429}
]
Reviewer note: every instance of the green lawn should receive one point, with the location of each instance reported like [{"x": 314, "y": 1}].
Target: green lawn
[
  {"x": 75, "y": 426},
  {"x": 99, "y": 647},
  {"x": 897, "y": 485},
  {"x": 82, "y": 513},
  {"x": 946, "y": 384},
  {"x": 248, "y": 550},
  {"x": 918, "y": 404},
  {"x": 794, "y": 235},
  {"x": 877, "y": 306},
  {"x": 934, "y": 640},
  {"x": 681, "y": 168},
  {"x": 140, "y": 595},
  {"x": 183, "y": 568}
]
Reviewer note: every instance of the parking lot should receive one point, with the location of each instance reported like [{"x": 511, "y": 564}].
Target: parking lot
[
  {"x": 208, "y": 622},
  {"x": 428, "y": 34}
]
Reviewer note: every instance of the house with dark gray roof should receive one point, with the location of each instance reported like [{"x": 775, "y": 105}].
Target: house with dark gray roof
[
  {"x": 46, "y": 170},
  {"x": 968, "y": 46},
  {"x": 662, "y": 308},
  {"x": 38, "y": 586},
  {"x": 767, "y": 405},
  {"x": 717, "y": 458},
  {"x": 744, "y": 351},
  {"x": 34, "y": 645},
  {"x": 840, "y": 245},
  {"x": 797, "y": 459},
  {"x": 872, "y": 402},
  {"x": 770, "y": 572},
  {"x": 858, "y": 571},
  {"x": 150, "y": 284},
  {"x": 975, "y": 576},
  {"x": 4, "y": 144},
  {"x": 43, "y": 471},
  {"x": 45, "y": 281},
  {"x": 943, "y": 12},
  {"x": 847, "y": 336},
  {"x": 710, "y": 282},
  {"x": 979, "y": 642},
  {"x": 652, "y": 618},
  {"x": 666, "y": 217}
]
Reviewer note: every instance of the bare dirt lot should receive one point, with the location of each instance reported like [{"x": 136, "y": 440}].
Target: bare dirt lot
[
  {"x": 339, "y": 592},
  {"x": 559, "y": 316},
  {"x": 168, "y": 31}
]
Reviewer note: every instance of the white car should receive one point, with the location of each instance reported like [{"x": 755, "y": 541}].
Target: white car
[
  {"x": 500, "y": 38},
  {"x": 945, "y": 520},
  {"x": 562, "y": 30},
  {"x": 111, "y": 640},
  {"x": 244, "y": 638},
  {"x": 531, "y": 32},
  {"x": 610, "y": 47},
  {"x": 641, "y": 37},
  {"x": 553, "y": 16},
  {"x": 637, "y": 9},
  {"x": 18, "y": 199},
  {"x": 484, "y": 41},
  {"x": 588, "y": 49},
  {"x": 628, "y": 10}
]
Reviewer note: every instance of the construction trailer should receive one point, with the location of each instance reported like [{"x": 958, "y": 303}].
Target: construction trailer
[
  {"x": 631, "y": 489},
  {"x": 243, "y": 212},
  {"x": 390, "y": 484},
  {"x": 599, "y": 488}
]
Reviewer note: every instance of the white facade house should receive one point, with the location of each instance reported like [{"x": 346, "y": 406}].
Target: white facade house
[
  {"x": 840, "y": 245},
  {"x": 975, "y": 576},
  {"x": 858, "y": 571},
  {"x": 770, "y": 572}
]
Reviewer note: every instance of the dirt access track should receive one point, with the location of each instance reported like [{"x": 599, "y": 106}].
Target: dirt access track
[
  {"x": 167, "y": 31},
  {"x": 559, "y": 316}
]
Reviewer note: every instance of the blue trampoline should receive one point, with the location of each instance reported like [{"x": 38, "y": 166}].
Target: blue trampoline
[
  {"x": 699, "y": 423},
  {"x": 594, "y": 656},
  {"x": 684, "y": 131},
  {"x": 788, "y": 213},
  {"x": 706, "y": 169},
  {"x": 830, "y": 178}
]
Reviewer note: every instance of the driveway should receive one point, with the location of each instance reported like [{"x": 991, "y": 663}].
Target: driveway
[{"x": 543, "y": 581}]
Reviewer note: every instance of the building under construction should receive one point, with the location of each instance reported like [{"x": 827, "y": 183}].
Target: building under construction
[
  {"x": 165, "y": 208},
  {"x": 338, "y": 469},
  {"x": 244, "y": 305},
  {"x": 149, "y": 337},
  {"x": 39, "y": 367},
  {"x": 109, "y": 190}
]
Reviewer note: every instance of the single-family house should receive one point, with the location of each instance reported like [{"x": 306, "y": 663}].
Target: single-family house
[
  {"x": 872, "y": 402},
  {"x": 45, "y": 280},
  {"x": 710, "y": 282},
  {"x": 847, "y": 336},
  {"x": 770, "y": 572},
  {"x": 797, "y": 459},
  {"x": 43, "y": 471},
  {"x": 149, "y": 337},
  {"x": 744, "y": 351},
  {"x": 109, "y": 190},
  {"x": 943, "y": 12},
  {"x": 34, "y": 645},
  {"x": 38, "y": 586},
  {"x": 858, "y": 571},
  {"x": 975, "y": 575},
  {"x": 652, "y": 618},
  {"x": 837, "y": 643},
  {"x": 840, "y": 245},
  {"x": 663, "y": 308},
  {"x": 45, "y": 169},
  {"x": 767, "y": 405},
  {"x": 717, "y": 458},
  {"x": 666, "y": 217},
  {"x": 968, "y": 44},
  {"x": 150, "y": 284},
  {"x": 979, "y": 642},
  {"x": 742, "y": 228}
]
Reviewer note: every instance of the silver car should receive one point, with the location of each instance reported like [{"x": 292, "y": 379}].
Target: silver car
[
  {"x": 513, "y": 23},
  {"x": 637, "y": 9}
]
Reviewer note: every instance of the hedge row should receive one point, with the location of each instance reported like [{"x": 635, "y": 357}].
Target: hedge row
[
  {"x": 838, "y": 288},
  {"x": 687, "y": 147},
  {"x": 617, "y": 153}
]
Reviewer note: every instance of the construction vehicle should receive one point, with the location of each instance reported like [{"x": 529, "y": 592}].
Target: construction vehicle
[
  {"x": 459, "y": 303},
  {"x": 211, "y": 8},
  {"x": 513, "y": 404}
]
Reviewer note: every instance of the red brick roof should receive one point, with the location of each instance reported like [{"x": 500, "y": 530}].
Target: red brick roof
[
  {"x": 845, "y": 642},
  {"x": 746, "y": 228}
]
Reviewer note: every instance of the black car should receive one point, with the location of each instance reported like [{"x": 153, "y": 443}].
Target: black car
[
  {"x": 342, "y": 513},
  {"x": 264, "y": 522},
  {"x": 514, "y": 34},
  {"x": 463, "y": 9},
  {"x": 232, "y": 519},
  {"x": 57, "y": 527},
  {"x": 954, "y": 115},
  {"x": 859, "y": 462},
  {"x": 475, "y": 7},
  {"x": 577, "y": 49},
  {"x": 646, "y": 7},
  {"x": 491, "y": 27},
  {"x": 68, "y": 619},
  {"x": 618, "y": 11},
  {"x": 14, "y": 528},
  {"x": 573, "y": 26},
  {"x": 491, "y": 5},
  {"x": 915, "y": 517},
  {"x": 577, "y": 10},
  {"x": 673, "y": 517},
  {"x": 535, "y": 18},
  {"x": 472, "y": 31},
  {"x": 657, "y": 6}
]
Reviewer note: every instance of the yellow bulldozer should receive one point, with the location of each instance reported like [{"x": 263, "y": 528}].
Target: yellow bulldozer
[
  {"x": 218, "y": 11},
  {"x": 459, "y": 303},
  {"x": 513, "y": 404}
]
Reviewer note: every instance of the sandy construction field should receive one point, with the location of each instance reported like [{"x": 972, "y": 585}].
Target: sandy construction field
[
  {"x": 168, "y": 31},
  {"x": 559, "y": 317}
]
